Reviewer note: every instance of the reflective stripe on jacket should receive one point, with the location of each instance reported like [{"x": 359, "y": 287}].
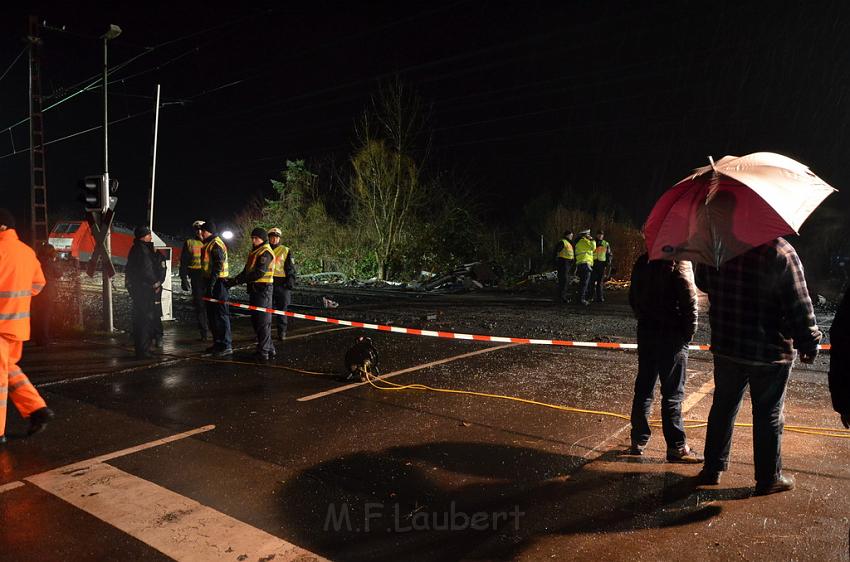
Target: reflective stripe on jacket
[
  {"x": 280, "y": 254},
  {"x": 567, "y": 252},
  {"x": 584, "y": 251},
  {"x": 21, "y": 277},
  {"x": 268, "y": 275},
  {"x": 195, "y": 246},
  {"x": 601, "y": 251},
  {"x": 206, "y": 263}
]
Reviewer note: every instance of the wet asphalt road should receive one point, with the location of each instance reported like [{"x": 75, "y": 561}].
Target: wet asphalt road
[{"x": 366, "y": 474}]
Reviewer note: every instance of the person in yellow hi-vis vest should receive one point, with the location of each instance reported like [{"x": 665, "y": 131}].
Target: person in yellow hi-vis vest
[
  {"x": 215, "y": 267},
  {"x": 257, "y": 274},
  {"x": 602, "y": 258},
  {"x": 584, "y": 250},
  {"x": 284, "y": 280},
  {"x": 564, "y": 262},
  {"x": 191, "y": 270}
]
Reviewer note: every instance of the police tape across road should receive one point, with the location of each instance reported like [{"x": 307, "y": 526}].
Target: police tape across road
[{"x": 449, "y": 335}]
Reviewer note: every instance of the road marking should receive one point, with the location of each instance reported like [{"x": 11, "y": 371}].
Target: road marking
[
  {"x": 408, "y": 370},
  {"x": 10, "y": 486},
  {"x": 695, "y": 397},
  {"x": 175, "y": 525}
]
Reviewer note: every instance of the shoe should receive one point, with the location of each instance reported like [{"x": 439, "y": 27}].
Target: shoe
[
  {"x": 213, "y": 348},
  {"x": 280, "y": 336},
  {"x": 2, "y": 439},
  {"x": 273, "y": 353},
  {"x": 683, "y": 454},
  {"x": 223, "y": 352},
  {"x": 781, "y": 484},
  {"x": 39, "y": 419},
  {"x": 708, "y": 477},
  {"x": 203, "y": 337},
  {"x": 637, "y": 448},
  {"x": 261, "y": 356},
  {"x": 585, "y": 303}
]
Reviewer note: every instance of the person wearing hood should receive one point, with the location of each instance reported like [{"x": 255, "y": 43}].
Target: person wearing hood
[
  {"x": 258, "y": 274},
  {"x": 585, "y": 248},
  {"x": 143, "y": 280},
  {"x": 215, "y": 266}
]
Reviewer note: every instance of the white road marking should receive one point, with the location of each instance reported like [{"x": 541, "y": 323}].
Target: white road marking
[
  {"x": 10, "y": 486},
  {"x": 172, "y": 524},
  {"x": 408, "y": 370},
  {"x": 694, "y": 398}
]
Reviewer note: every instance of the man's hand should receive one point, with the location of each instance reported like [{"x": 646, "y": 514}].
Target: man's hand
[
  {"x": 845, "y": 419},
  {"x": 808, "y": 357}
]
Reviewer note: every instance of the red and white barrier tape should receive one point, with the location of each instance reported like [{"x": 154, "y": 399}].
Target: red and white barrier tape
[{"x": 448, "y": 335}]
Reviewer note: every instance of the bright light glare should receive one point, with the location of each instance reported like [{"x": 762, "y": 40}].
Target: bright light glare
[{"x": 227, "y": 235}]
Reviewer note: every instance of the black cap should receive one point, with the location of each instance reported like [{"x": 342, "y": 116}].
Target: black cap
[
  {"x": 141, "y": 232},
  {"x": 6, "y": 218},
  {"x": 260, "y": 233},
  {"x": 209, "y": 226}
]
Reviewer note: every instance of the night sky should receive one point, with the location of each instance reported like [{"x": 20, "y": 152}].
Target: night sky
[{"x": 526, "y": 97}]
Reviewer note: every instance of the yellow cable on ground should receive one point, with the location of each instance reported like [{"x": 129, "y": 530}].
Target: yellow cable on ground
[{"x": 805, "y": 430}]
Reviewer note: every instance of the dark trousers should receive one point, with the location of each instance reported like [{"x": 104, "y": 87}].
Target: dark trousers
[
  {"x": 144, "y": 320},
  {"x": 767, "y": 392},
  {"x": 660, "y": 358},
  {"x": 218, "y": 316},
  {"x": 597, "y": 282},
  {"x": 565, "y": 270},
  {"x": 199, "y": 289},
  {"x": 260, "y": 294},
  {"x": 42, "y": 308},
  {"x": 583, "y": 270},
  {"x": 282, "y": 299}
]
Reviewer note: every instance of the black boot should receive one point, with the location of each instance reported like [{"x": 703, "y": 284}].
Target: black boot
[{"x": 39, "y": 419}]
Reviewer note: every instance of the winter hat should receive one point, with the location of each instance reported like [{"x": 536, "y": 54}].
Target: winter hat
[
  {"x": 260, "y": 233},
  {"x": 6, "y": 218},
  {"x": 141, "y": 232}
]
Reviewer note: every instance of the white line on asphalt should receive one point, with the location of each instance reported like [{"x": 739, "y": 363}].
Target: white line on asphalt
[
  {"x": 10, "y": 486},
  {"x": 408, "y": 370},
  {"x": 695, "y": 397}
]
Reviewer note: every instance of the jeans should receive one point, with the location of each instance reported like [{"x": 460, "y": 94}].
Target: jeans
[
  {"x": 665, "y": 358},
  {"x": 767, "y": 392},
  {"x": 583, "y": 270}
]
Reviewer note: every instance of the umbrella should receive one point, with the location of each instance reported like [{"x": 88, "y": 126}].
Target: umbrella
[{"x": 724, "y": 209}]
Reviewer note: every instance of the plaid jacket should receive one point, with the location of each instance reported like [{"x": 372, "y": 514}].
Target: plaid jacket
[{"x": 760, "y": 308}]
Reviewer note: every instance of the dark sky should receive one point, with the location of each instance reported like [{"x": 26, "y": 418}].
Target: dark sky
[{"x": 527, "y": 97}]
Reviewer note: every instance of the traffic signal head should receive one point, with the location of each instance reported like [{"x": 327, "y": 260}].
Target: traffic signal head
[{"x": 92, "y": 196}]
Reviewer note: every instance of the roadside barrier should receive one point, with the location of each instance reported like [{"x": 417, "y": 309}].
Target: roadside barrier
[{"x": 451, "y": 335}]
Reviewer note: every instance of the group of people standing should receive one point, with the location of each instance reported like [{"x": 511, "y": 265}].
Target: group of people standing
[
  {"x": 269, "y": 274},
  {"x": 760, "y": 313},
  {"x": 588, "y": 258}
]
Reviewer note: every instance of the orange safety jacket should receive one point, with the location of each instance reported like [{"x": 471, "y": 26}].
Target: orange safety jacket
[{"x": 20, "y": 278}]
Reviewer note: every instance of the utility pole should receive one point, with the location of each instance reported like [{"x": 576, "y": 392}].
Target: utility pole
[
  {"x": 39, "y": 226},
  {"x": 151, "y": 192},
  {"x": 113, "y": 32}
]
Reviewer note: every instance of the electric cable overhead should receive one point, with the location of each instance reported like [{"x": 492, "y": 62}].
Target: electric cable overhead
[{"x": 24, "y": 50}]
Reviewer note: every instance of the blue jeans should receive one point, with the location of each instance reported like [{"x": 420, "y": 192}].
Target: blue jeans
[
  {"x": 665, "y": 359},
  {"x": 767, "y": 392}
]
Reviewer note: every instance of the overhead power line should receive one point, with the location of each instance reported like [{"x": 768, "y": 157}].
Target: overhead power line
[{"x": 24, "y": 50}]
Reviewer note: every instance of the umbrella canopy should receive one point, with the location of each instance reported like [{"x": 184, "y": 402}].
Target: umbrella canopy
[{"x": 722, "y": 210}]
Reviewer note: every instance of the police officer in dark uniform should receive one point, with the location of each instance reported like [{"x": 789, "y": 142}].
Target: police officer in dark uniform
[
  {"x": 142, "y": 277},
  {"x": 215, "y": 267},
  {"x": 191, "y": 271},
  {"x": 257, "y": 274},
  {"x": 284, "y": 280}
]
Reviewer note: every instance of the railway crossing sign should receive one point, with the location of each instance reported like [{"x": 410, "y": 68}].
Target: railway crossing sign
[{"x": 100, "y": 224}]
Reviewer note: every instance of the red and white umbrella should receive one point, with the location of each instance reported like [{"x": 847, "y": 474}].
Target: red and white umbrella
[{"x": 722, "y": 210}]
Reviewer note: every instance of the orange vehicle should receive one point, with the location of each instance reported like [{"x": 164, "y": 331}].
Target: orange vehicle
[{"x": 73, "y": 239}]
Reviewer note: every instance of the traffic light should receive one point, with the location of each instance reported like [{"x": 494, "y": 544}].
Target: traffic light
[
  {"x": 113, "y": 193},
  {"x": 93, "y": 193}
]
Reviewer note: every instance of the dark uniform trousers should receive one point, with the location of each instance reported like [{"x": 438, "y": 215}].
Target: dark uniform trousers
[
  {"x": 282, "y": 300},
  {"x": 199, "y": 289},
  {"x": 218, "y": 315},
  {"x": 145, "y": 319},
  {"x": 597, "y": 282},
  {"x": 260, "y": 294}
]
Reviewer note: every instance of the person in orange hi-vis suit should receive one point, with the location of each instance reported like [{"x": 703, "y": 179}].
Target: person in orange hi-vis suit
[{"x": 20, "y": 278}]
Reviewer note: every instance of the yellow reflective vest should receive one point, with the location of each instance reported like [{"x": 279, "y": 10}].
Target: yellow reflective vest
[
  {"x": 601, "y": 251},
  {"x": 567, "y": 252},
  {"x": 281, "y": 252},
  {"x": 194, "y": 246},
  {"x": 251, "y": 262},
  {"x": 206, "y": 263},
  {"x": 584, "y": 251}
]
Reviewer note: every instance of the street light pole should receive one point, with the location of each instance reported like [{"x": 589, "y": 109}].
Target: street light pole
[{"x": 113, "y": 32}]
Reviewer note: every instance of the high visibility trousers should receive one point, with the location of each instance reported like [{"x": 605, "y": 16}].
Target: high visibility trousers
[{"x": 14, "y": 383}]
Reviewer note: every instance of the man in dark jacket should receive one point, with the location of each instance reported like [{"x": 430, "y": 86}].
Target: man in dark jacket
[
  {"x": 142, "y": 277},
  {"x": 664, "y": 300},
  {"x": 839, "y": 361},
  {"x": 760, "y": 312},
  {"x": 257, "y": 274},
  {"x": 192, "y": 276},
  {"x": 284, "y": 280},
  {"x": 215, "y": 267}
]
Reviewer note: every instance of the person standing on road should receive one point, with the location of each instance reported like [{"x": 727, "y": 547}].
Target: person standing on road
[
  {"x": 284, "y": 280},
  {"x": 192, "y": 277},
  {"x": 602, "y": 258},
  {"x": 258, "y": 274},
  {"x": 664, "y": 300},
  {"x": 215, "y": 267},
  {"x": 760, "y": 312},
  {"x": 564, "y": 262},
  {"x": 584, "y": 250},
  {"x": 839, "y": 361},
  {"x": 43, "y": 304},
  {"x": 20, "y": 278},
  {"x": 142, "y": 276}
]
